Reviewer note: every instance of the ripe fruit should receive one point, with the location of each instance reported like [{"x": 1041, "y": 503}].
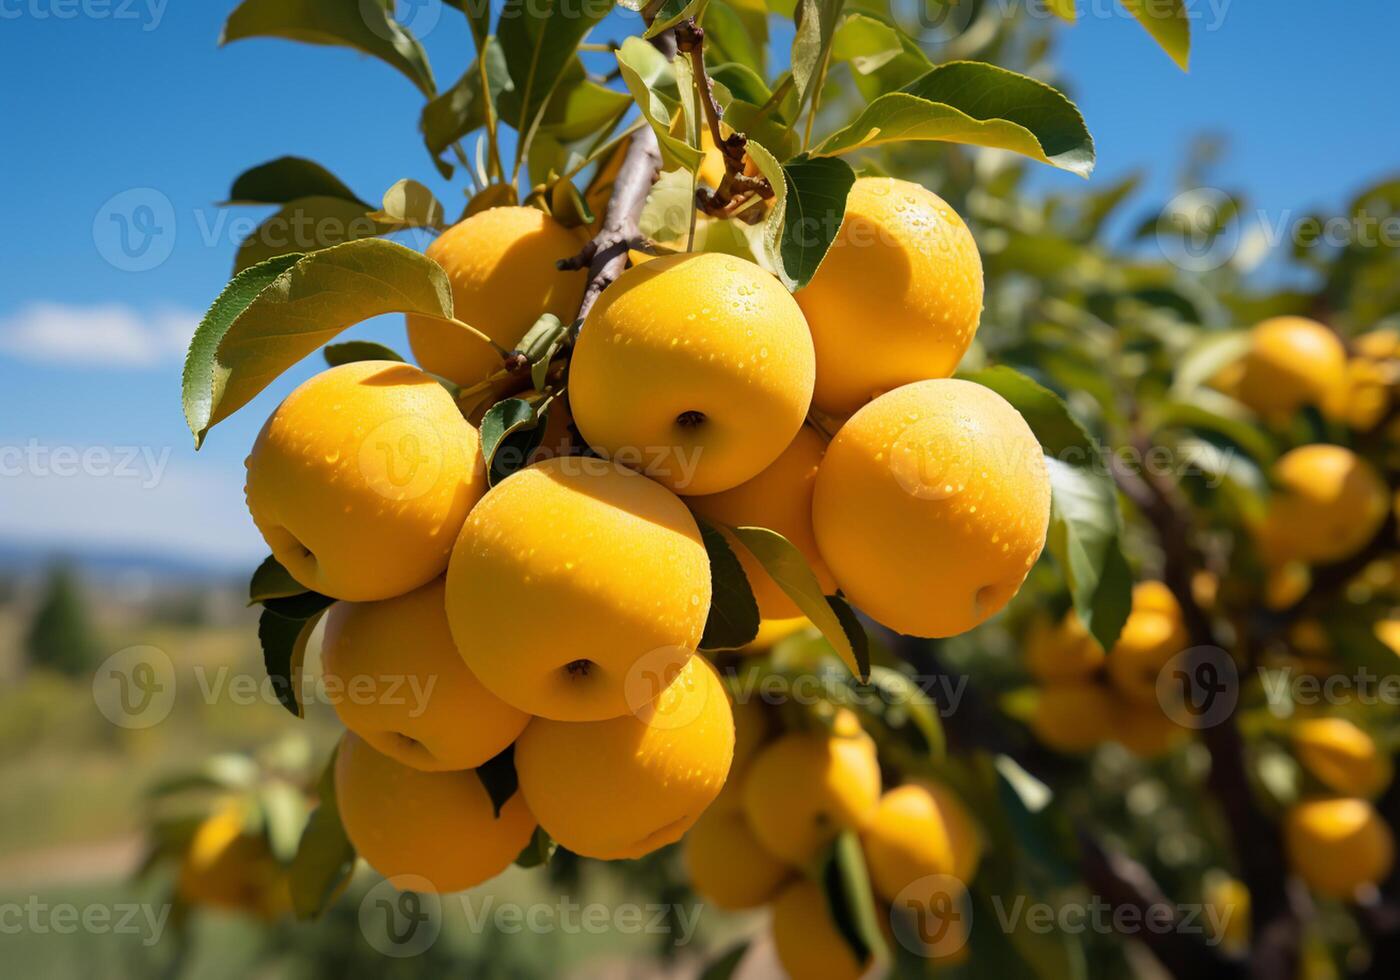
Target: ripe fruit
[
  {"x": 1328, "y": 503},
  {"x": 402, "y": 686},
  {"x": 771, "y": 632},
  {"x": 897, "y": 298},
  {"x": 1151, "y": 637},
  {"x": 802, "y": 789},
  {"x": 227, "y": 866},
  {"x": 1291, "y": 362},
  {"x": 931, "y": 506},
  {"x": 726, "y": 864},
  {"x": 1074, "y": 716},
  {"x": 361, "y": 478},
  {"x": 1062, "y": 651},
  {"x": 696, "y": 369},
  {"x": 1146, "y": 731},
  {"x": 1337, "y": 845},
  {"x": 752, "y": 726},
  {"x": 780, "y": 499},
  {"x": 808, "y": 944},
  {"x": 436, "y": 825},
  {"x": 1341, "y": 756},
  {"x": 1362, "y": 398},
  {"x": 920, "y": 829},
  {"x": 501, "y": 266},
  {"x": 1227, "y": 912},
  {"x": 624, "y": 787},
  {"x": 568, "y": 574}
]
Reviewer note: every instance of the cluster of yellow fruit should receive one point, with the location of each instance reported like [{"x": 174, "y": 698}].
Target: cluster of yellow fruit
[
  {"x": 228, "y": 865},
  {"x": 1336, "y": 840},
  {"x": 557, "y": 611},
  {"x": 790, "y": 795},
  {"x": 1088, "y": 697}
]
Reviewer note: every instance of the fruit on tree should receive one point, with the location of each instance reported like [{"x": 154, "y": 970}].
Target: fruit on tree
[
  {"x": 1363, "y": 397},
  {"x": 573, "y": 583},
  {"x": 1146, "y": 730},
  {"x": 1227, "y": 905},
  {"x": 696, "y": 369},
  {"x": 500, "y": 263},
  {"x": 1328, "y": 503},
  {"x": 807, "y": 942},
  {"x": 397, "y": 681},
  {"x": 361, "y": 479},
  {"x": 623, "y": 787},
  {"x": 1062, "y": 651},
  {"x": 1151, "y": 637},
  {"x": 752, "y": 726},
  {"x": 227, "y": 866},
  {"x": 1291, "y": 362},
  {"x": 803, "y": 788},
  {"x": 1341, "y": 756},
  {"x": 1338, "y": 844},
  {"x": 920, "y": 829},
  {"x": 780, "y": 499},
  {"x": 896, "y": 299},
  {"x": 932, "y": 504},
  {"x": 438, "y": 826},
  {"x": 1074, "y": 716},
  {"x": 726, "y": 864}
]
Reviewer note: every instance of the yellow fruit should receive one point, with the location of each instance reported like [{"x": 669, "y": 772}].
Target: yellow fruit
[
  {"x": 808, "y": 944},
  {"x": 568, "y": 574},
  {"x": 1388, "y": 632},
  {"x": 780, "y": 499},
  {"x": 438, "y": 826},
  {"x": 227, "y": 866},
  {"x": 501, "y": 266},
  {"x": 696, "y": 369},
  {"x": 1285, "y": 584},
  {"x": 752, "y": 726},
  {"x": 931, "y": 506},
  {"x": 1338, "y": 845},
  {"x": 1341, "y": 756},
  {"x": 1228, "y": 912},
  {"x": 771, "y": 632},
  {"x": 1062, "y": 651},
  {"x": 920, "y": 829},
  {"x": 898, "y": 297},
  {"x": 726, "y": 864},
  {"x": 1291, "y": 362},
  {"x": 398, "y": 682},
  {"x": 361, "y": 479},
  {"x": 1074, "y": 716},
  {"x": 1379, "y": 345},
  {"x": 624, "y": 787},
  {"x": 804, "y": 788},
  {"x": 1328, "y": 503},
  {"x": 1363, "y": 397},
  {"x": 1146, "y": 731},
  {"x": 1151, "y": 637}
]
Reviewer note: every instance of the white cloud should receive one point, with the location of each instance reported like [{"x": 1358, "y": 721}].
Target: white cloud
[{"x": 109, "y": 335}]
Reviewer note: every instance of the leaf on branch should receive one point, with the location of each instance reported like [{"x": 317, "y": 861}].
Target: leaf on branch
[
  {"x": 816, "y": 204},
  {"x": 408, "y": 204},
  {"x": 307, "y": 224},
  {"x": 670, "y": 13},
  {"x": 325, "y": 858},
  {"x": 478, "y": 16},
  {"x": 651, "y": 78},
  {"x": 272, "y": 315},
  {"x": 723, "y": 968},
  {"x": 580, "y": 106},
  {"x": 367, "y": 27},
  {"x": 811, "y": 43},
  {"x": 285, "y": 179},
  {"x": 464, "y": 107},
  {"x": 538, "y": 851},
  {"x": 272, "y": 581},
  {"x": 737, "y": 32},
  {"x": 358, "y": 350},
  {"x": 1085, "y": 523},
  {"x": 882, "y": 56},
  {"x": 903, "y": 695},
  {"x": 538, "y": 39},
  {"x": 283, "y": 642},
  {"x": 510, "y": 432},
  {"x": 976, "y": 103},
  {"x": 733, "y": 617},
  {"x": 845, "y": 884},
  {"x": 1168, "y": 23}
]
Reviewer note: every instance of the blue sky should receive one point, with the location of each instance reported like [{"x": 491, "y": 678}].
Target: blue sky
[{"x": 105, "y": 97}]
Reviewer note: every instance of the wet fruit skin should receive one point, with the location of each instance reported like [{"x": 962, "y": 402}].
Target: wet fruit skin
[
  {"x": 439, "y": 826},
  {"x": 696, "y": 369},
  {"x": 623, "y": 787},
  {"x": 932, "y": 504},
  {"x": 897, "y": 298},
  {"x": 500, "y": 263},
  {"x": 565, "y": 576},
  {"x": 360, "y": 480},
  {"x": 396, "y": 679}
]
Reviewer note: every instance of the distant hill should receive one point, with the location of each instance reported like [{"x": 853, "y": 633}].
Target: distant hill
[{"x": 98, "y": 563}]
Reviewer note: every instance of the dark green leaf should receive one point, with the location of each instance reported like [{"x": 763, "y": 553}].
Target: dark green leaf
[
  {"x": 510, "y": 432},
  {"x": 733, "y": 617},
  {"x": 816, "y": 203},
  {"x": 669, "y": 13},
  {"x": 538, "y": 851},
  {"x": 325, "y": 858},
  {"x": 816, "y": 25},
  {"x": 285, "y": 179},
  {"x": 283, "y": 644},
  {"x": 538, "y": 39},
  {"x": 463, "y": 108},
  {"x": 901, "y": 692},
  {"x": 478, "y": 16},
  {"x": 497, "y": 774},
  {"x": 272, "y": 581},
  {"x": 358, "y": 350},
  {"x": 846, "y": 886},
  {"x": 723, "y": 968}
]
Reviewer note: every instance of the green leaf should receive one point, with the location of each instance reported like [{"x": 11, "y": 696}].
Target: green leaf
[
  {"x": 666, "y": 215},
  {"x": 816, "y": 25},
  {"x": 581, "y": 107},
  {"x": 538, "y": 39},
  {"x": 478, "y": 16},
  {"x": 408, "y": 204},
  {"x": 325, "y": 858},
  {"x": 540, "y": 343},
  {"x": 272, "y": 315},
  {"x": 283, "y": 642},
  {"x": 272, "y": 581},
  {"x": 1169, "y": 23},
  {"x": 816, "y": 203},
  {"x": 878, "y": 48},
  {"x": 772, "y": 227},
  {"x": 670, "y": 13},
  {"x": 285, "y": 179},
  {"x": 736, "y": 33},
  {"x": 981, "y": 104},
  {"x": 789, "y": 569},
  {"x": 846, "y": 887},
  {"x": 568, "y": 206},
  {"x": 902, "y": 693},
  {"x": 538, "y": 851},
  {"x": 767, "y": 128},
  {"x": 510, "y": 432},
  {"x": 1085, "y": 524},
  {"x": 464, "y": 108},
  {"x": 733, "y": 617},
  {"x": 307, "y": 224},
  {"x": 498, "y": 775},
  {"x": 358, "y": 350},
  {"x": 364, "y": 26},
  {"x": 740, "y": 82},
  {"x": 651, "y": 78}
]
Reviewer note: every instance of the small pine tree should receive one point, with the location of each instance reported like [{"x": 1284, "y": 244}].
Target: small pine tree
[{"x": 60, "y": 634}]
